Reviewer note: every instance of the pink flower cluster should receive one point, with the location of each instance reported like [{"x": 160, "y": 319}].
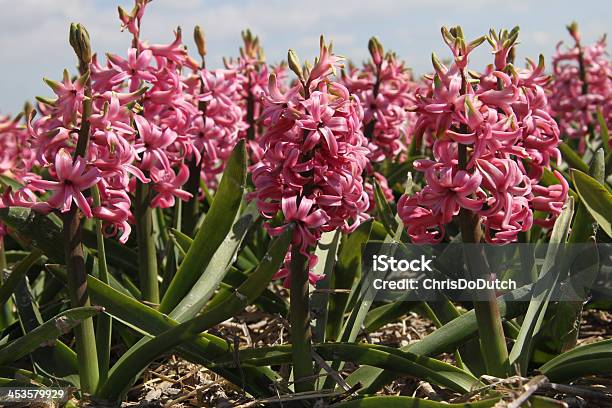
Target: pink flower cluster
[
  {"x": 314, "y": 154},
  {"x": 16, "y": 157},
  {"x": 215, "y": 133},
  {"x": 252, "y": 75},
  {"x": 144, "y": 123},
  {"x": 575, "y": 99},
  {"x": 385, "y": 89},
  {"x": 500, "y": 120}
]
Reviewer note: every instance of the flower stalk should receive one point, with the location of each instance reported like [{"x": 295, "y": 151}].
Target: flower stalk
[
  {"x": 191, "y": 208},
  {"x": 147, "y": 255},
  {"x": 301, "y": 336},
  {"x": 490, "y": 328},
  {"x": 74, "y": 257},
  {"x": 104, "y": 323},
  {"x": 6, "y": 317}
]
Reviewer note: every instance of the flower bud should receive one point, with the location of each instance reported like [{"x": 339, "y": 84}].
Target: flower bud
[
  {"x": 28, "y": 109},
  {"x": 376, "y": 50},
  {"x": 200, "y": 40},
  {"x": 54, "y": 85},
  {"x": 475, "y": 43},
  {"x": 437, "y": 64},
  {"x": 79, "y": 40},
  {"x": 294, "y": 64},
  {"x": 307, "y": 68},
  {"x": 573, "y": 30},
  {"x": 123, "y": 15}
]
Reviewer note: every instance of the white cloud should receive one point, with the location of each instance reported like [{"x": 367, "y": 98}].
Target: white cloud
[{"x": 33, "y": 33}]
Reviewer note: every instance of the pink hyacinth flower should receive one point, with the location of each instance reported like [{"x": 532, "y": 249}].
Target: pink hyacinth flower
[{"x": 72, "y": 178}]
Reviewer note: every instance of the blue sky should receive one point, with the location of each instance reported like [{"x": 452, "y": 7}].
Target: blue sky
[{"x": 34, "y": 33}]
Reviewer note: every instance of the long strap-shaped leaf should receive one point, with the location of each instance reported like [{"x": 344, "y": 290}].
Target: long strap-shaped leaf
[
  {"x": 554, "y": 266},
  {"x": 48, "y": 331},
  {"x": 326, "y": 251},
  {"x": 18, "y": 272},
  {"x": 445, "y": 339},
  {"x": 215, "y": 271},
  {"x": 425, "y": 368},
  {"x": 590, "y": 359},
  {"x": 215, "y": 227},
  {"x": 410, "y": 402},
  {"x": 35, "y": 230},
  {"x": 151, "y": 322},
  {"x": 41, "y": 231},
  {"x": 346, "y": 270},
  {"x": 597, "y": 199},
  {"x": 133, "y": 362}
]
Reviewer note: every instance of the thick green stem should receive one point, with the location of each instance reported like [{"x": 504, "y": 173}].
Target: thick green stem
[
  {"x": 147, "y": 256},
  {"x": 490, "y": 328},
  {"x": 191, "y": 208},
  {"x": 104, "y": 323},
  {"x": 84, "y": 334},
  {"x": 6, "y": 313},
  {"x": 301, "y": 337},
  {"x": 250, "y": 116},
  {"x": 77, "y": 286}
]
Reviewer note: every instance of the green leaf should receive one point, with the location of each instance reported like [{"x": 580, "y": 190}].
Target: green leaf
[
  {"x": 561, "y": 330},
  {"x": 151, "y": 322},
  {"x": 17, "y": 274},
  {"x": 35, "y": 230},
  {"x": 424, "y": 368},
  {"x": 141, "y": 355},
  {"x": 399, "y": 173},
  {"x": 572, "y": 158},
  {"x": 347, "y": 269},
  {"x": 584, "y": 225},
  {"x": 604, "y": 132},
  {"x": 48, "y": 331},
  {"x": 326, "y": 251},
  {"x": 384, "y": 210},
  {"x": 9, "y": 182},
  {"x": 591, "y": 359},
  {"x": 213, "y": 274},
  {"x": 410, "y": 402},
  {"x": 215, "y": 227},
  {"x": 445, "y": 339},
  {"x": 596, "y": 197},
  {"x": 183, "y": 240},
  {"x": 553, "y": 269},
  {"x": 387, "y": 313},
  {"x": 55, "y": 360},
  {"x": 40, "y": 231}
]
